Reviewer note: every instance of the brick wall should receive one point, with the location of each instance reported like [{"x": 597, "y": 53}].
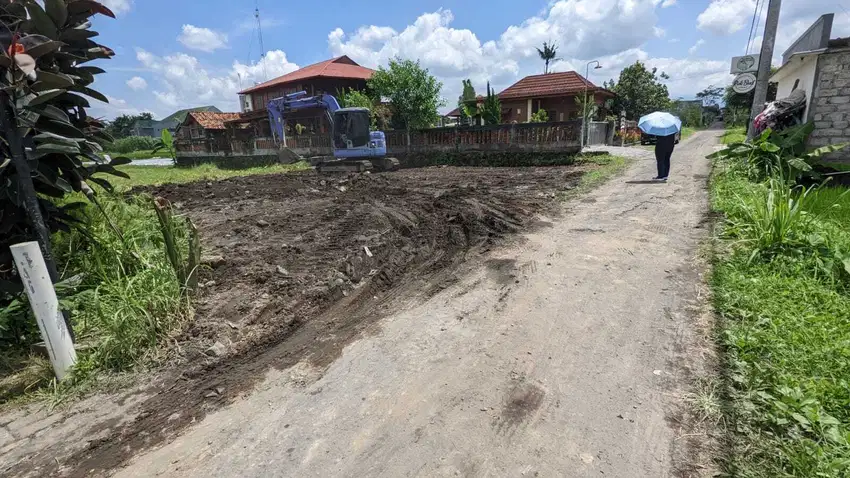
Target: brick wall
[{"x": 831, "y": 101}]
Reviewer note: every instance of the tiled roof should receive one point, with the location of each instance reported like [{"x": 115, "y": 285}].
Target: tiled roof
[
  {"x": 550, "y": 84},
  {"x": 210, "y": 120},
  {"x": 339, "y": 67}
]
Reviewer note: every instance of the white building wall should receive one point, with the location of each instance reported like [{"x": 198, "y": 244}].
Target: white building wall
[{"x": 799, "y": 69}]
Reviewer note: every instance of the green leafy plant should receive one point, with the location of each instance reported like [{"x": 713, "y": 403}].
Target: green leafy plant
[
  {"x": 777, "y": 218},
  {"x": 46, "y": 79},
  {"x": 491, "y": 110},
  {"x": 548, "y": 53},
  {"x": 541, "y": 116},
  {"x": 166, "y": 143},
  {"x": 776, "y": 153},
  {"x": 640, "y": 91},
  {"x": 412, "y": 92}
]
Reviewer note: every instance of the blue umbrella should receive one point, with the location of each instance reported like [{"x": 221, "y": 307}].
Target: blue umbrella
[{"x": 660, "y": 124}]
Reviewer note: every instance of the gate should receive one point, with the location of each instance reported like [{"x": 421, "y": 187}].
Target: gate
[{"x": 598, "y": 133}]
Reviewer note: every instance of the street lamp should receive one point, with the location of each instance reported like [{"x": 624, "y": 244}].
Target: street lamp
[{"x": 584, "y": 129}]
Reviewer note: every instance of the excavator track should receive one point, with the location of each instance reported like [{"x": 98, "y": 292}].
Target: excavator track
[
  {"x": 357, "y": 165},
  {"x": 344, "y": 166}
]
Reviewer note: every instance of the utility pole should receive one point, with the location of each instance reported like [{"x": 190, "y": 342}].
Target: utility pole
[{"x": 763, "y": 79}]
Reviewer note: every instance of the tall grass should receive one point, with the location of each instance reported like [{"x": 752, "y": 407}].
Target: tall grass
[
  {"x": 737, "y": 134},
  {"x": 776, "y": 216},
  {"x": 132, "y": 296},
  {"x": 781, "y": 291}
]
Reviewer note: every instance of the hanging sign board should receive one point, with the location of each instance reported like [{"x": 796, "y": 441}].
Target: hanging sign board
[
  {"x": 744, "y": 83},
  {"x": 745, "y": 64}
]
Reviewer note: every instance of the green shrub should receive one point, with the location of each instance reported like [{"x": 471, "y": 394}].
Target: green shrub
[
  {"x": 132, "y": 143},
  {"x": 128, "y": 298}
]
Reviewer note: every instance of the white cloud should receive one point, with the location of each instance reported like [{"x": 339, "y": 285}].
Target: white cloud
[
  {"x": 137, "y": 83},
  {"x": 115, "y": 107},
  {"x": 202, "y": 39},
  {"x": 687, "y": 76},
  {"x": 660, "y": 32},
  {"x": 668, "y": 3},
  {"x": 587, "y": 28},
  {"x": 725, "y": 17},
  {"x": 696, "y": 46},
  {"x": 118, "y": 6},
  {"x": 581, "y": 28},
  {"x": 674, "y": 40},
  {"x": 184, "y": 81}
]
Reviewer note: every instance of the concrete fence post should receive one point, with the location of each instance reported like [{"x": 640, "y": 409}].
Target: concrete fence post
[{"x": 45, "y": 306}]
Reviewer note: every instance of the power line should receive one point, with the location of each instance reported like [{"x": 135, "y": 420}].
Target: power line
[
  {"x": 752, "y": 27},
  {"x": 758, "y": 24}
]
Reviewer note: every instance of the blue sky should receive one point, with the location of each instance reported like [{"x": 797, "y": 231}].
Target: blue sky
[{"x": 173, "y": 54}]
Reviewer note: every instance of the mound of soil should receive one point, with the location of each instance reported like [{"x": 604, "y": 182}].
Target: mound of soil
[{"x": 298, "y": 265}]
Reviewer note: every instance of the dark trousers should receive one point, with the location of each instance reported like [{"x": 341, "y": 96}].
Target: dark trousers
[
  {"x": 664, "y": 146},
  {"x": 662, "y": 157}
]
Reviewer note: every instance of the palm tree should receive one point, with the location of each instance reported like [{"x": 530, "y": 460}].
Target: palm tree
[{"x": 547, "y": 54}]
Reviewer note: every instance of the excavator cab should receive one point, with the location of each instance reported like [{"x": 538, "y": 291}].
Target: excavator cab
[
  {"x": 351, "y": 128},
  {"x": 355, "y": 148}
]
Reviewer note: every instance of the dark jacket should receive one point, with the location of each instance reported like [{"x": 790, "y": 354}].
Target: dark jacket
[{"x": 665, "y": 143}]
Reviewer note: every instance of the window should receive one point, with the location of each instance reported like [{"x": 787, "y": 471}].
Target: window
[
  {"x": 561, "y": 116},
  {"x": 796, "y": 85},
  {"x": 518, "y": 111}
]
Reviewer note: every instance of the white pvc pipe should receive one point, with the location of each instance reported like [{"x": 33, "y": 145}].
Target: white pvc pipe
[{"x": 45, "y": 306}]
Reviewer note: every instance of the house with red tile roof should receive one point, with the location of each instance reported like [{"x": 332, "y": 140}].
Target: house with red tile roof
[
  {"x": 329, "y": 76},
  {"x": 204, "y": 132},
  {"x": 554, "y": 92}
]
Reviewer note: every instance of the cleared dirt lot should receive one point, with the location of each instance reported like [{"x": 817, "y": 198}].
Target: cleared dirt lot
[
  {"x": 286, "y": 247},
  {"x": 299, "y": 266}
]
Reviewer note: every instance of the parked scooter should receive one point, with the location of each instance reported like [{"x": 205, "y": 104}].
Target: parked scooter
[{"x": 782, "y": 113}]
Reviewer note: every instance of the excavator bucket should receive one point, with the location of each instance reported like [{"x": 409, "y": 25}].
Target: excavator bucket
[
  {"x": 288, "y": 156},
  {"x": 385, "y": 164}
]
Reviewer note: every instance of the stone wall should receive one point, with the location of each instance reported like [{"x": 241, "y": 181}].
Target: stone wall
[{"x": 831, "y": 102}]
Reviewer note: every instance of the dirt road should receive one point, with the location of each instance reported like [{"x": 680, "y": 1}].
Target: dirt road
[{"x": 561, "y": 357}]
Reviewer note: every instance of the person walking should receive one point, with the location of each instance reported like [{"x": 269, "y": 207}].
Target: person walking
[
  {"x": 665, "y": 127},
  {"x": 664, "y": 146}
]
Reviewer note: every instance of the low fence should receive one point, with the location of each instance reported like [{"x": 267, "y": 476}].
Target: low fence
[
  {"x": 532, "y": 137},
  {"x": 557, "y": 138}
]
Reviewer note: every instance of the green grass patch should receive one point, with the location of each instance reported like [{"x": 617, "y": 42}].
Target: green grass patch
[
  {"x": 688, "y": 131},
  {"x": 156, "y": 175},
  {"x": 121, "y": 291},
  {"x": 607, "y": 167},
  {"x": 781, "y": 293},
  {"x": 737, "y": 134}
]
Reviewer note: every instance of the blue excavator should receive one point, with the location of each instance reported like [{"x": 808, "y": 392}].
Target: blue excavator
[{"x": 355, "y": 147}]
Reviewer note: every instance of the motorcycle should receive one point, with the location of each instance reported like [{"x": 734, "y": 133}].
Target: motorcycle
[{"x": 783, "y": 113}]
